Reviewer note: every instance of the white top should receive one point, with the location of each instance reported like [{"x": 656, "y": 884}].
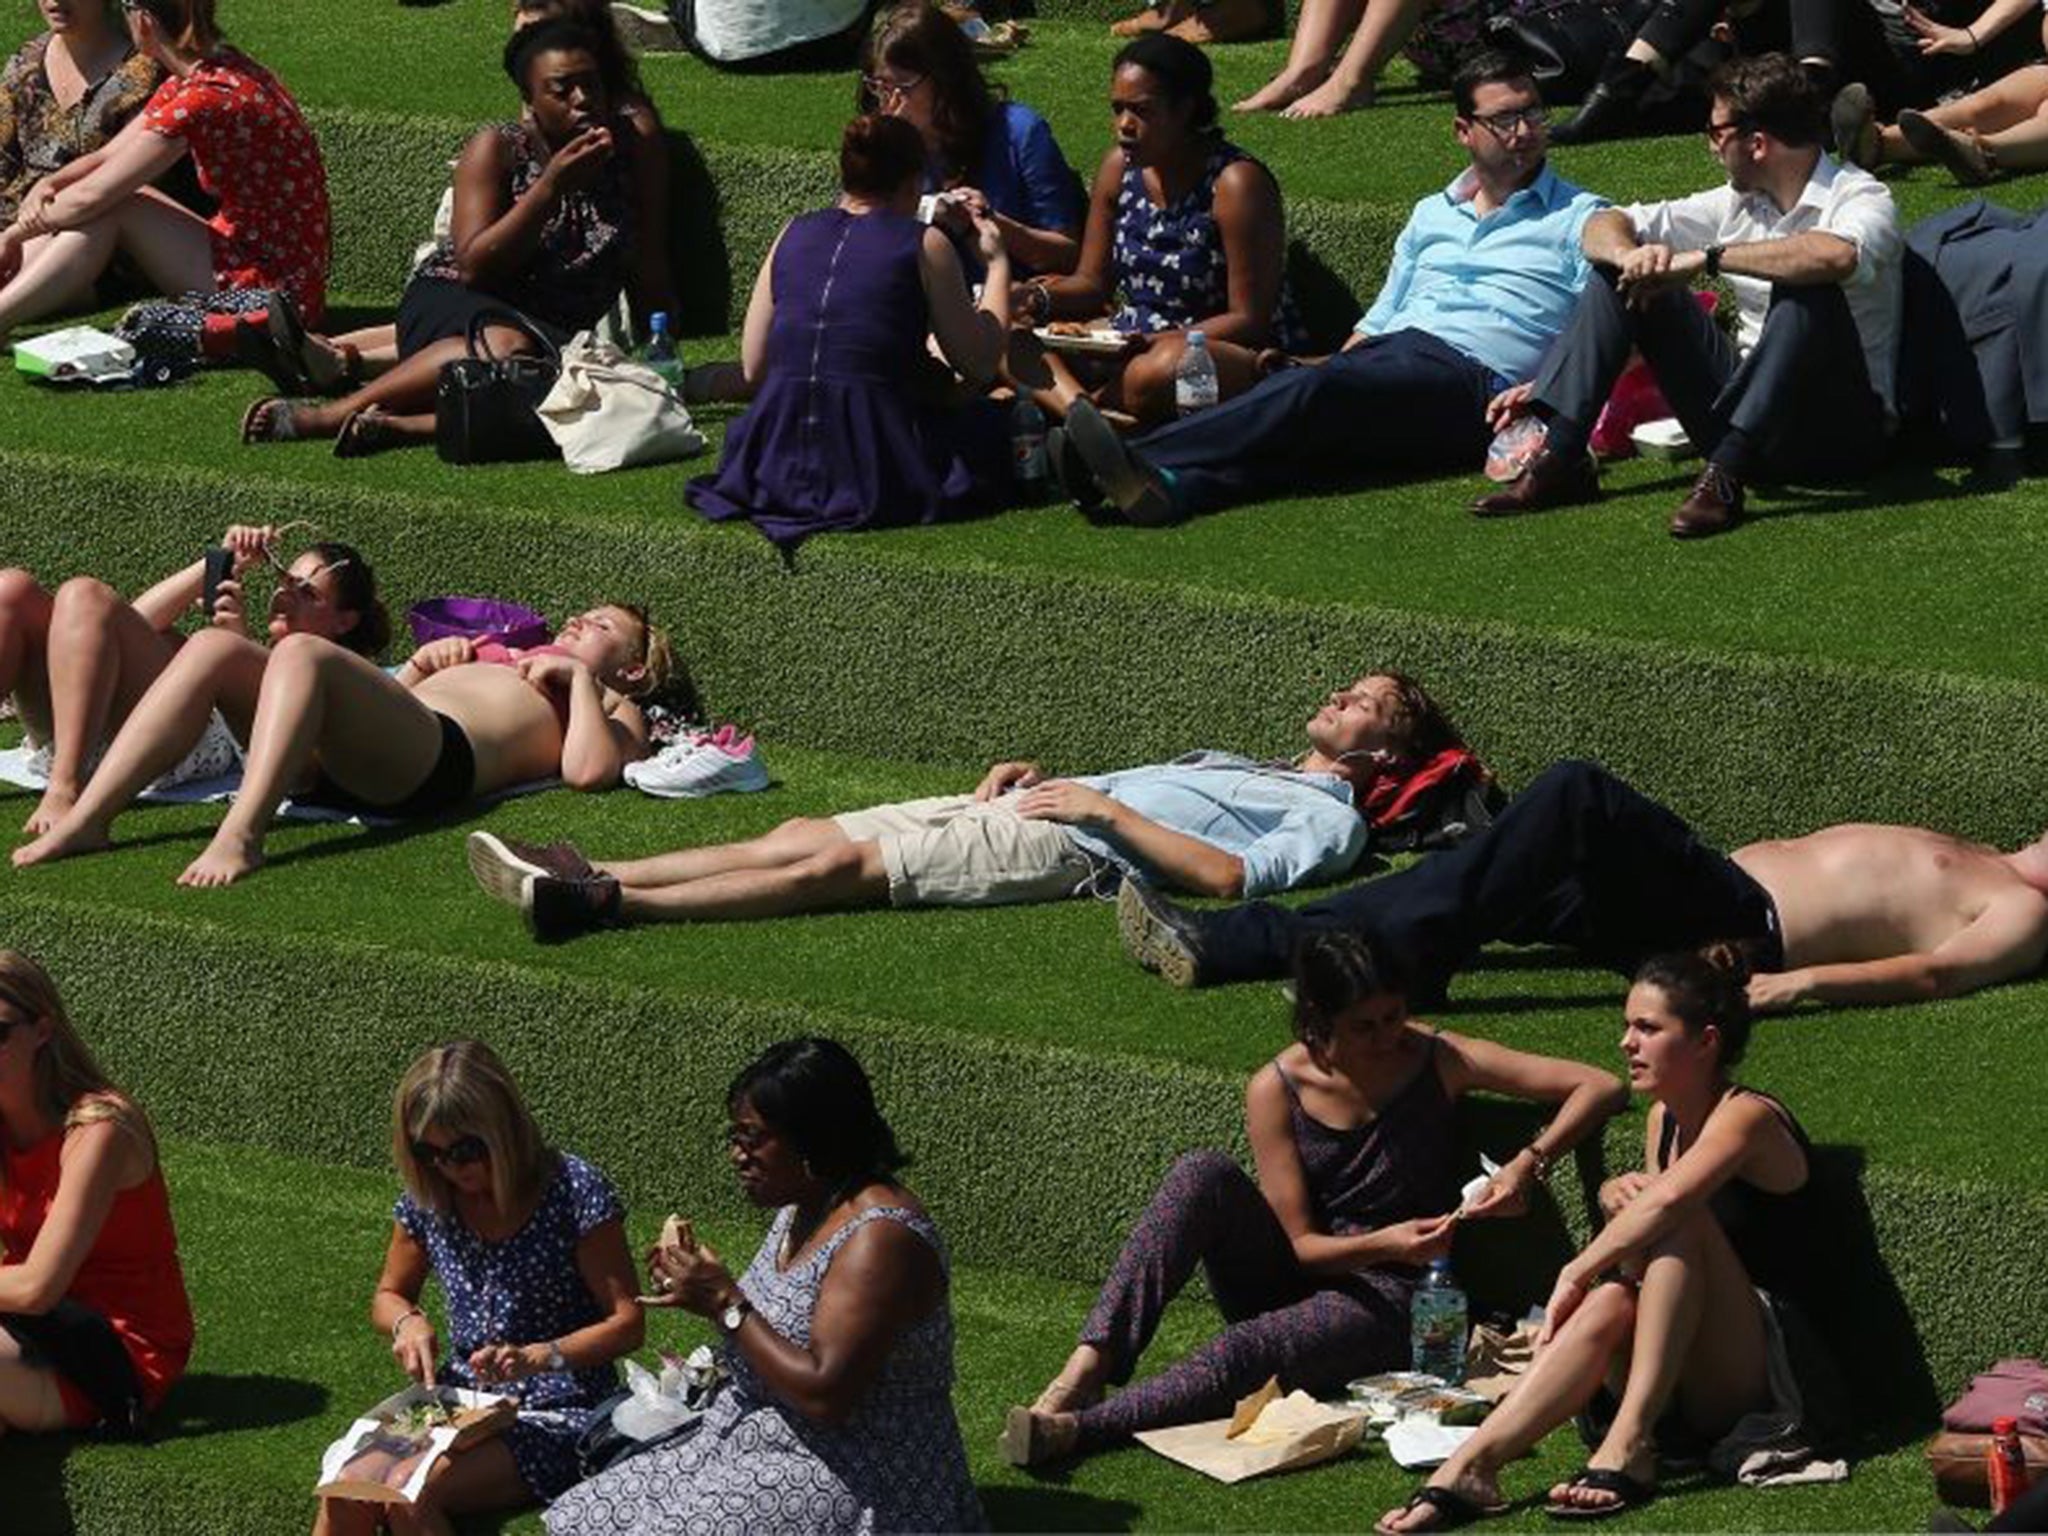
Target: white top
[
  {"x": 1837, "y": 200},
  {"x": 733, "y": 31}
]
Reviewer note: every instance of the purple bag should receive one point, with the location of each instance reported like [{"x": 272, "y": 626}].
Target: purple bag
[
  {"x": 2016, "y": 1389},
  {"x": 477, "y": 618}
]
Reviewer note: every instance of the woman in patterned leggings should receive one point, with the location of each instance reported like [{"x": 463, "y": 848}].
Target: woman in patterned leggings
[{"x": 1353, "y": 1131}]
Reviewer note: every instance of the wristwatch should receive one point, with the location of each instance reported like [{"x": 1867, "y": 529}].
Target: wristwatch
[
  {"x": 735, "y": 1313},
  {"x": 1713, "y": 256},
  {"x": 555, "y": 1359}
]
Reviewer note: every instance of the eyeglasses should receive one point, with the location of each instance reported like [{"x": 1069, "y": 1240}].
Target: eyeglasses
[
  {"x": 1502, "y": 125},
  {"x": 890, "y": 90},
  {"x": 463, "y": 1152},
  {"x": 749, "y": 1139},
  {"x": 1719, "y": 133}
]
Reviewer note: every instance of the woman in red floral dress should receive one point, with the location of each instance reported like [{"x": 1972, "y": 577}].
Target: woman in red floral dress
[{"x": 252, "y": 151}]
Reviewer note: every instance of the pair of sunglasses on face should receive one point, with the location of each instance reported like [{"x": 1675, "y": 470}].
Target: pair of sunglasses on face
[{"x": 463, "y": 1152}]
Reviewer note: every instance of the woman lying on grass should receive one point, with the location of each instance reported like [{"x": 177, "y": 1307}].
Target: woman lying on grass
[
  {"x": 1688, "y": 1306},
  {"x": 459, "y": 720},
  {"x": 77, "y": 661},
  {"x": 529, "y": 1247},
  {"x": 94, "y": 1323},
  {"x": 1353, "y": 1129}
]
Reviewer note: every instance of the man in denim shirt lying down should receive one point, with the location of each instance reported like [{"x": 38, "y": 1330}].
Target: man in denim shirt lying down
[{"x": 1210, "y": 823}]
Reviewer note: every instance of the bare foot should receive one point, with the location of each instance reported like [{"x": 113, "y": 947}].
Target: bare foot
[
  {"x": 69, "y": 837},
  {"x": 1329, "y": 99},
  {"x": 226, "y": 860},
  {"x": 1282, "y": 89},
  {"x": 52, "y": 808},
  {"x": 1639, "y": 1465}
]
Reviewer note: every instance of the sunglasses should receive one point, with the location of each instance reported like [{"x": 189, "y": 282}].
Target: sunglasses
[
  {"x": 463, "y": 1152},
  {"x": 301, "y": 585}
]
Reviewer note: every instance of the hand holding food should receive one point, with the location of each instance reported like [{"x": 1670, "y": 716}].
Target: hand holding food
[{"x": 678, "y": 1237}]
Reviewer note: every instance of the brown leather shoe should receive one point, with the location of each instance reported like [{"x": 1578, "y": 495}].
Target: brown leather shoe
[
  {"x": 1714, "y": 506},
  {"x": 1551, "y": 480}
]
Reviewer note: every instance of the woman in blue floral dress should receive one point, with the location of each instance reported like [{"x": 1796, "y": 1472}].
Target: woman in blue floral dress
[
  {"x": 529, "y": 1246},
  {"x": 1185, "y": 232},
  {"x": 839, "y": 1337}
]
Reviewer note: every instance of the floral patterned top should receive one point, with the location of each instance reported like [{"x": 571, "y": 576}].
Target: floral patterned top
[
  {"x": 1169, "y": 262},
  {"x": 574, "y": 276},
  {"x": 39, "y": 134},
  {"x": 253, "y": 151}
]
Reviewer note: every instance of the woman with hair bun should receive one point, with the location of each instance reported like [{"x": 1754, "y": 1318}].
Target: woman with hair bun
[
  {"x": 529, "y": 1247},
  {"x": 1688, "y": 1311},
  {"x": 853, "y": 425},
  {"x": 95, "y": 1327},
  {"x": 1353, "y": 1130},
  {"x": 1185, "y": 232},
  {"x": 839, "y": 1335}
]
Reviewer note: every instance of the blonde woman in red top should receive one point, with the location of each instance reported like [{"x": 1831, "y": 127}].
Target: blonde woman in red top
[
  {"x": 253, "y": 153},
  {"x": 94, "y": 1323}
]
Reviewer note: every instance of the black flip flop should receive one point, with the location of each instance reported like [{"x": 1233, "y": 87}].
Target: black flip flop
[
  {"x": 1629, "y": 1493},
  {"x": 1452, "y": 1509}
]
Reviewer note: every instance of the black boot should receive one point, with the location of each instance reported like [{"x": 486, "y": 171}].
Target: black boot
[{"x": 1609, "y": 110}]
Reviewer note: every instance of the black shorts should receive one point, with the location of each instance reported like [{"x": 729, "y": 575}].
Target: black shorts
[
  {"x": 82, "y": 1348},
  {"x": 450, "y": 782},
  {"x": 434, "y": 308}
]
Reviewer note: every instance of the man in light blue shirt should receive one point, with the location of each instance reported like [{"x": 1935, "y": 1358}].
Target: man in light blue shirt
[
  {"x": 1483, "y": 278},
  {"x": 1212, "y": 823}
]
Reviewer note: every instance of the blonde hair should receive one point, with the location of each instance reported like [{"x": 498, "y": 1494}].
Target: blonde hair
[
  {"x": 70, "y": 1086},
  {"x": 463, "y": 1089}
]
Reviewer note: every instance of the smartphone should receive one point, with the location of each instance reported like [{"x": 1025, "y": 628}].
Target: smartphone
[{"x": 220, "y": 565}]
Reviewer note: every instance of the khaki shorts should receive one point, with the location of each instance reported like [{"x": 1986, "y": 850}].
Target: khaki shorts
[{"x": 957, "y": 851}]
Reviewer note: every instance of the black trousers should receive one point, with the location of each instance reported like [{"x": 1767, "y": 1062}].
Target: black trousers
[
  {"x": 1578, "y": 858},
  {"x": 1799, "y": 407}
]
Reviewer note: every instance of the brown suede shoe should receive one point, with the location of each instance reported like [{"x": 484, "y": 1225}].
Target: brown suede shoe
[
  {"x": 1551, "y": 480},
  {"x": 1714, "y": 506}
]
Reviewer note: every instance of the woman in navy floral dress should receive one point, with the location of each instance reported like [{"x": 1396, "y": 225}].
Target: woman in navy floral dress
[
  {"x": 529, "y": 1246},
  {"x": 839, "y": 1337},
  {"x": 1185, "y": 232}
]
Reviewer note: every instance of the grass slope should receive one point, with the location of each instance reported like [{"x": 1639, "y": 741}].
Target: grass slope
[{"x": 280, "y": 1255}]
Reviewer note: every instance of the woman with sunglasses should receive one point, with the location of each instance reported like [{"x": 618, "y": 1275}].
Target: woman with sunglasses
[
  {"x": 986, "y": 156},
  {"x": 94, "y": 1323},
  {"x": 1185, "y": 228},
  {"x": 459, "y": 720},
  {"x": 76, "y": 661},
  {"x": 537, "y": 1284},
  {"x": 1353, "y": 1129},
  {"x": 252, "y": 151},
  {"x": 838, "y": 1336}
]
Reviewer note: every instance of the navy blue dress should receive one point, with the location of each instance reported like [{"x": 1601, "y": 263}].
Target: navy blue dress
[
  {"x": 845, "y": 432},
  {"x": 525, "y": 1290}
]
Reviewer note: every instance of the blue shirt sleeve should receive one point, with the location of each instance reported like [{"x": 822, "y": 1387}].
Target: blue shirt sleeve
[
  {"x": 1310, "y": 844},
  {"x": 1041, "y": 189}
]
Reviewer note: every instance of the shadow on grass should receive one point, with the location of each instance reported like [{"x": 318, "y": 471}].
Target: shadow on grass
[
  {"x": 213, "y": 1403},
  {"x": 1049, "y": 1507},
  {"x": 32, "y": 1473}
]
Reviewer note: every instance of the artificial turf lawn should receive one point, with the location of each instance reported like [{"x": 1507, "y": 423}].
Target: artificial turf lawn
[{"x": 280, "y": 1255}]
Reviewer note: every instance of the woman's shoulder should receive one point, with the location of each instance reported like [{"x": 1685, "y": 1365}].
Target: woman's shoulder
[{"x": 26, "y": 62}]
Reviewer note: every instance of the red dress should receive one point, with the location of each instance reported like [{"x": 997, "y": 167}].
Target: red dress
[
  {"x": 253, "y": 151},
  {"x": 130, "y": 1277}
]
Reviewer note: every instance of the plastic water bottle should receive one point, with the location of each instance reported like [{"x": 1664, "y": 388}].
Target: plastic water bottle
[
  {"x": 1194, "y": 382},
  {"x": 1436, "y": 1324},
  {"x": 1027, "y": 449},
  {"x": 661, "y": 354}
]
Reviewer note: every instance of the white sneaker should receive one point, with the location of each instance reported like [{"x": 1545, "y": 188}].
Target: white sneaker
[{"x": 698, "y": 765}]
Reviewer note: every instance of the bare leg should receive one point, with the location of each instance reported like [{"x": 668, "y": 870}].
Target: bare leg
[
  {"x": 790, "y": 843},
  {"x": 1146, "y": 386},
  {"x": 103, "y": 656},
  {"x": 28, "y": 1394},
  {"x": 1560, "y": 1381},
  {"x": 1318, "y": 33},
  {"x": 847, "y": 875},
  {"x": 406, "y": 389},
  {"x": 2022, "y": 147},
  {"x": 346, "y": 1517},
  {"x": 170, "y": 243},
  {"x": 165, "y": 724},
  {"x": 1384, "y": 28},
  {"x": 481, "y": 1479},
  {"x": 24, "y": 636},
  {"x": 370, "y": 734}
]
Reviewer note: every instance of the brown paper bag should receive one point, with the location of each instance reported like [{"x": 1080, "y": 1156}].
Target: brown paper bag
[{"x": 1292, "y": 1431}]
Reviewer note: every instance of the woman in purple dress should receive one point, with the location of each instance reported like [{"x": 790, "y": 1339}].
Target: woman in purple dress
[
  {"x": 853, "y": 424},
  {"x": 1354, "y": 1132}
]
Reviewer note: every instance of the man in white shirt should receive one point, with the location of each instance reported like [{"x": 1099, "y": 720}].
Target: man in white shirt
[{"x": 1812, "y": 250}]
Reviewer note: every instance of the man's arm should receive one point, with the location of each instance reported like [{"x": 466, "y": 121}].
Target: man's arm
[
  {"x": 2007, "y": 940},
  {"x": 1802, "y": 261},
  {"x": 1608, "y": 236},
  {"x": 1187, "y": 863}
]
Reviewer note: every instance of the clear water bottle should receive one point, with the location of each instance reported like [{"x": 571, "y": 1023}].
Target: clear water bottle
[
  {"x": 1027, "y": 449},
  {"x": 1436, "y": 1324},
  {"x": 1194, "y": 382},
  {"x": 661, "y": 354}
]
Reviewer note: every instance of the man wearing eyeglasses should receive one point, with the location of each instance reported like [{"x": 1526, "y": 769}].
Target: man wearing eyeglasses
[
  {"x": 1812, "y": 250},
  {"x": 1483, "y": 277}
]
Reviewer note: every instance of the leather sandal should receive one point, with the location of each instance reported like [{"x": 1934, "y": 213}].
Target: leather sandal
[
  {"x": 269, "y": 420},
  {"x": 1450, "y": 1509},
  {"x": 1628, "y": 1493},
  {"x": 366, "y": 431}
]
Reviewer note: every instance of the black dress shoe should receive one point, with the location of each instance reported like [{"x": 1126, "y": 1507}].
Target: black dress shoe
[{"x": 1609, "y": 110}]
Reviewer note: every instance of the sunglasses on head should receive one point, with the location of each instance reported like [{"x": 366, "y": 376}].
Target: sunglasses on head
[
  {"x": 459, "y": 1153},
  {"x": 302, "y": 585}
]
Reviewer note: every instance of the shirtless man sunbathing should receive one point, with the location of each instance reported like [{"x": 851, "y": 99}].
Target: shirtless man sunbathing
[
  {"x": 1853, "y": 914},
  {"x": 457, "y": 721}
]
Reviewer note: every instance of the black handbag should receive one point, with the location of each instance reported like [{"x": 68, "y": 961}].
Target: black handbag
[
  {"x": 484, "y": 406},
  {"x": 1567, "y": 42}
]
